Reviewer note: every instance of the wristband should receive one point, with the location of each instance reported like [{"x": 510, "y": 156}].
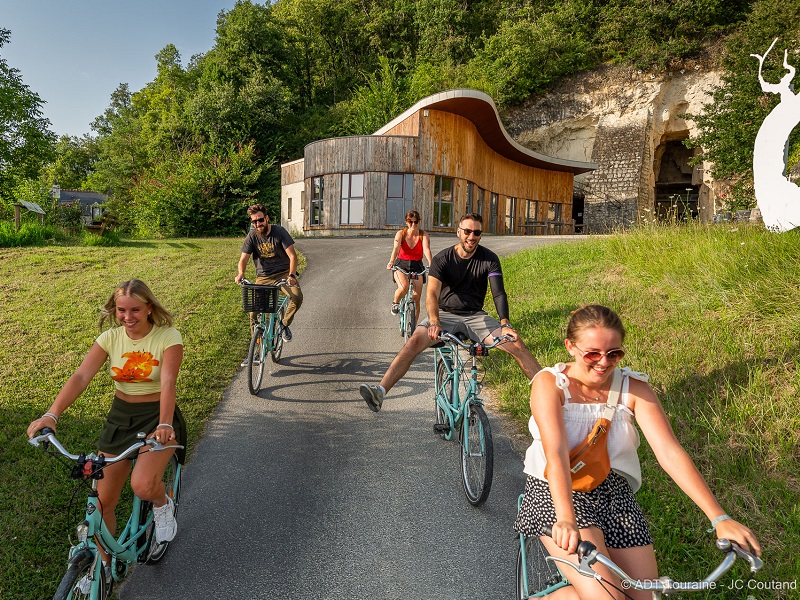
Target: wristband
[
  {"x": 718, "y": 520},
  {"x": 166, "y": 425},
  {"x": 51, "y": 415},
  {"x": 509, "y": 325}
]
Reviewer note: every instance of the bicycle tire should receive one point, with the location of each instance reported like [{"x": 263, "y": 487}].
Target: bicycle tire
[
  {"x": 477, "y": 454},
  {"x": 443, "y": 426},
  {"x": 255, "y": 362},
  {"x": 543, "y": 577},
  {"x": 277, "y": 336},
  {"x": 154, "y": 551},
  {"x": 410, "y": 321},
  {"x": 79, "y": 566}
]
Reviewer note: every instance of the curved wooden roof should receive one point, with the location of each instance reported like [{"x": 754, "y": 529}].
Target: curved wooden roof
[{"x": 479, "y": 108}]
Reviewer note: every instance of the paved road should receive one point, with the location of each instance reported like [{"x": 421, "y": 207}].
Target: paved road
[{"x": 304, "y": 493}]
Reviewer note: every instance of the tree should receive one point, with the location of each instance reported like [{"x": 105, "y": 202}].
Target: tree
[{"x": 26, "y": 142}]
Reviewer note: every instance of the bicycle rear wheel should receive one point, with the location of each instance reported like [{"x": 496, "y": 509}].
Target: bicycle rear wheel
[
  {"x": 255, "y": 362},
  {"x": 154, "y": 551},
  {"x": 277, "y": 335},
  {"x": 535, "y": 576},
  {"x": 410, "y": 320},
  {"x": 477, "y": 454},
  {"x": 80, "y": 566},
  {"x": 443, "y": 425}
]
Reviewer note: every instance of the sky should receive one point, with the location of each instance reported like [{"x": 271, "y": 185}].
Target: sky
[{"x": 75, "y": 53}]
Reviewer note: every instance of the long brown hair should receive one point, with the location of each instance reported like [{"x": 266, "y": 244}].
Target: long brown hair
[{"x": 138, "y": 289}]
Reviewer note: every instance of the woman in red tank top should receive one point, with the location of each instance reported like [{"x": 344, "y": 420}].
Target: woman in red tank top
[{"x": 411, "y": 244}]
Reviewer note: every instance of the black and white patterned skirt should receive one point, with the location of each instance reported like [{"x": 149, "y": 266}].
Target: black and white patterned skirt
[{"x": 610, "y": 507}]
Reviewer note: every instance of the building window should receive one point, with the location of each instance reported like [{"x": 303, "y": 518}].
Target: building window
[
  {"x": 399, "y": 197},
  {"x": 553, "y": 211},
  {"x": 443, "y": 202},
  {"x": 474, "y": 199},
  {"x": 316, "y": 201},
  {"x": 511, "y": 216},
  {"x": 289, "y": 210},
  {"x": 352, "y": 199},
  {"x": 493, "y": 213}
]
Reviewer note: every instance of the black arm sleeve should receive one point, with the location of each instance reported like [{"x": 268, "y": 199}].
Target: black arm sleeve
[{"x": 499, "y": 296}]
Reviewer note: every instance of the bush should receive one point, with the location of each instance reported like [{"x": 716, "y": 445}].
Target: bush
[
  {"x": 108, "y": 238},
  {"x": 29, "y": 234}
]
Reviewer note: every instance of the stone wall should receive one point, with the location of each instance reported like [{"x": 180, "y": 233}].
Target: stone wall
[{"x": 618, "y": 118}]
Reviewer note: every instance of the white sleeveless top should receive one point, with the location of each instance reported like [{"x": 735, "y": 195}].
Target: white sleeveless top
[{"x": 623, "y": 437}]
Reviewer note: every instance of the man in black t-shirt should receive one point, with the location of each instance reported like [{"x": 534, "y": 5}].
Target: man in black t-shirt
[
  {"x": 457, "y": 283},
  {"x": 273, "y": 254}
]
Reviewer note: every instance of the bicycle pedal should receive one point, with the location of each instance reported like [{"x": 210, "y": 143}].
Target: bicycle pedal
[{"x": 441, "y": 428}]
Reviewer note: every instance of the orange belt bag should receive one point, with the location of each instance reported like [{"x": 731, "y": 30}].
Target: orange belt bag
[{"x": 589, "y": 464}]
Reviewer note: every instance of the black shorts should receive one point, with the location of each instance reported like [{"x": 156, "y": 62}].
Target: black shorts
[
  {"x": 126, "y": 419},
  {"x": 610, "y": 507},
  {"x": 412, "y": 266}
]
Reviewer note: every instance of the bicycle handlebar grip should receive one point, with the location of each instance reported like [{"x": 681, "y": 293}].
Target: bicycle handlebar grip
[{"x": 548, "y": 531}]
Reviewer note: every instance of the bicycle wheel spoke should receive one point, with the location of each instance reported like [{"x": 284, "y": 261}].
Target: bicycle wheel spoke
[
  {"x": 477, "y": 455},
  {"x": 443, "y": 425},
  {"x": 255, "y": 363},
  {"x": 535, "y": 575}
]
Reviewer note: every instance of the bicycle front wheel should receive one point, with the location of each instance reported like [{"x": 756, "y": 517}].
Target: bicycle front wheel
[
  {"x": 410, "y": 320},
  {"x": 477, "y": 455},
  {"x": 255, "y": 362},
  {"x": 154, "y": 551},
  {"x": 277, "y": 335},
  {"x": 536, "y": 577},
  {"x": 72, "y": 587}
]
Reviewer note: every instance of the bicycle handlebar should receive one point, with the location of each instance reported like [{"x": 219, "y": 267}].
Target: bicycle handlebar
[
  {"x": 47, "y": 437},
  {"x": 588, "y": 555},
  {"x": 444, "y": 336},
  {"x": 282, "y": 282},
  {"x": 411, "y": 274}
]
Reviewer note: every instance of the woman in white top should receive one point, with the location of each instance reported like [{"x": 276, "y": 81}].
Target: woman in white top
[{"x": 566, "y": 400}]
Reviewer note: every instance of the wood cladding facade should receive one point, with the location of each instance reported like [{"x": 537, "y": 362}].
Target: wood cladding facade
[{"x": 431, "y": 144}]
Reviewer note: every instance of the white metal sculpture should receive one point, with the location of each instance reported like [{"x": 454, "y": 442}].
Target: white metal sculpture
[{"x": 777, "y": 197}]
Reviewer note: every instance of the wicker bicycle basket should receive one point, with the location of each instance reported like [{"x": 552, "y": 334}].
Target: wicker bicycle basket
[{"x": 259, "y": 298}]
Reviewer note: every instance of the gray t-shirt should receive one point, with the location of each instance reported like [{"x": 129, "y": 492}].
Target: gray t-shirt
[{"x": 269, "y": 251}]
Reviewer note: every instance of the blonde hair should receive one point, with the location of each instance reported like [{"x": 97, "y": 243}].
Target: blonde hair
[
  {"x": 593, "y": 315},
  {"x": 138, "y": 289}
]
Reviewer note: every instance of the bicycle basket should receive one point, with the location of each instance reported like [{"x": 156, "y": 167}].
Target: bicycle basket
[{"x": 259, "y": 298}]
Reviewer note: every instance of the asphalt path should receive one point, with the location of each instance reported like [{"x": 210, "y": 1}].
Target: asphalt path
[{"x": 303, "y": 492}]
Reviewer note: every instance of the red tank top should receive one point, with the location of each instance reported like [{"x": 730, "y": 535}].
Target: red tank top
[{"x": 407, "y": 253}]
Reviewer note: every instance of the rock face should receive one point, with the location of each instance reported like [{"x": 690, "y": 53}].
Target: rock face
[{"x": 631, "y": 124}]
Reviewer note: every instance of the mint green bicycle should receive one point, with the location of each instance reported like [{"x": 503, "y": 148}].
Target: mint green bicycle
[
  {"x": 85, "y": 576},
  {"x": 538, "y": 574},
  {"x": 459, "y": 409},
  {"x": 267, "y": 335}
]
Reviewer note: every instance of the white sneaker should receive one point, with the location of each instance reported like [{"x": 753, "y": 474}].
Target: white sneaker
[
  {"x": 166, "y": 525},
  {"x": 85, "y": 584}
]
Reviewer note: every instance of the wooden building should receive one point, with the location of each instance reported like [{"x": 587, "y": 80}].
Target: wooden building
[{"x": 447, "y": 155}]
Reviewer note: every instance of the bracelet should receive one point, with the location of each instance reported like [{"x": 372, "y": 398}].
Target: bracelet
[
  {"x": 434, "y": 324},
  {"x": 51, "y": 415},
  {"x": 509, "y": 325},
  {"x": 166, "y": 425},
  {"x": 718, "y": 520}
]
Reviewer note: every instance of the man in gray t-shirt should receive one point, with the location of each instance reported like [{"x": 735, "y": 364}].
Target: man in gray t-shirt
[{"x": 272, "y": 249}]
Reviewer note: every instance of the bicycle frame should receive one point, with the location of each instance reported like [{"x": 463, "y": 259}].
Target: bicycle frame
[
  {"x": 408, "y": 300},
  {"x": 269, "y": 323},
  {"x": 455, "y": 406}
]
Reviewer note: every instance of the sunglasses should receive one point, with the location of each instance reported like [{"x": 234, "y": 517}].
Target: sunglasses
[
  {"x": 594, "y": 356},
  {"x": 475, "y": 232},
  {"x": 255, "y": 221},
  {"x": 412, "y": 222}
]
